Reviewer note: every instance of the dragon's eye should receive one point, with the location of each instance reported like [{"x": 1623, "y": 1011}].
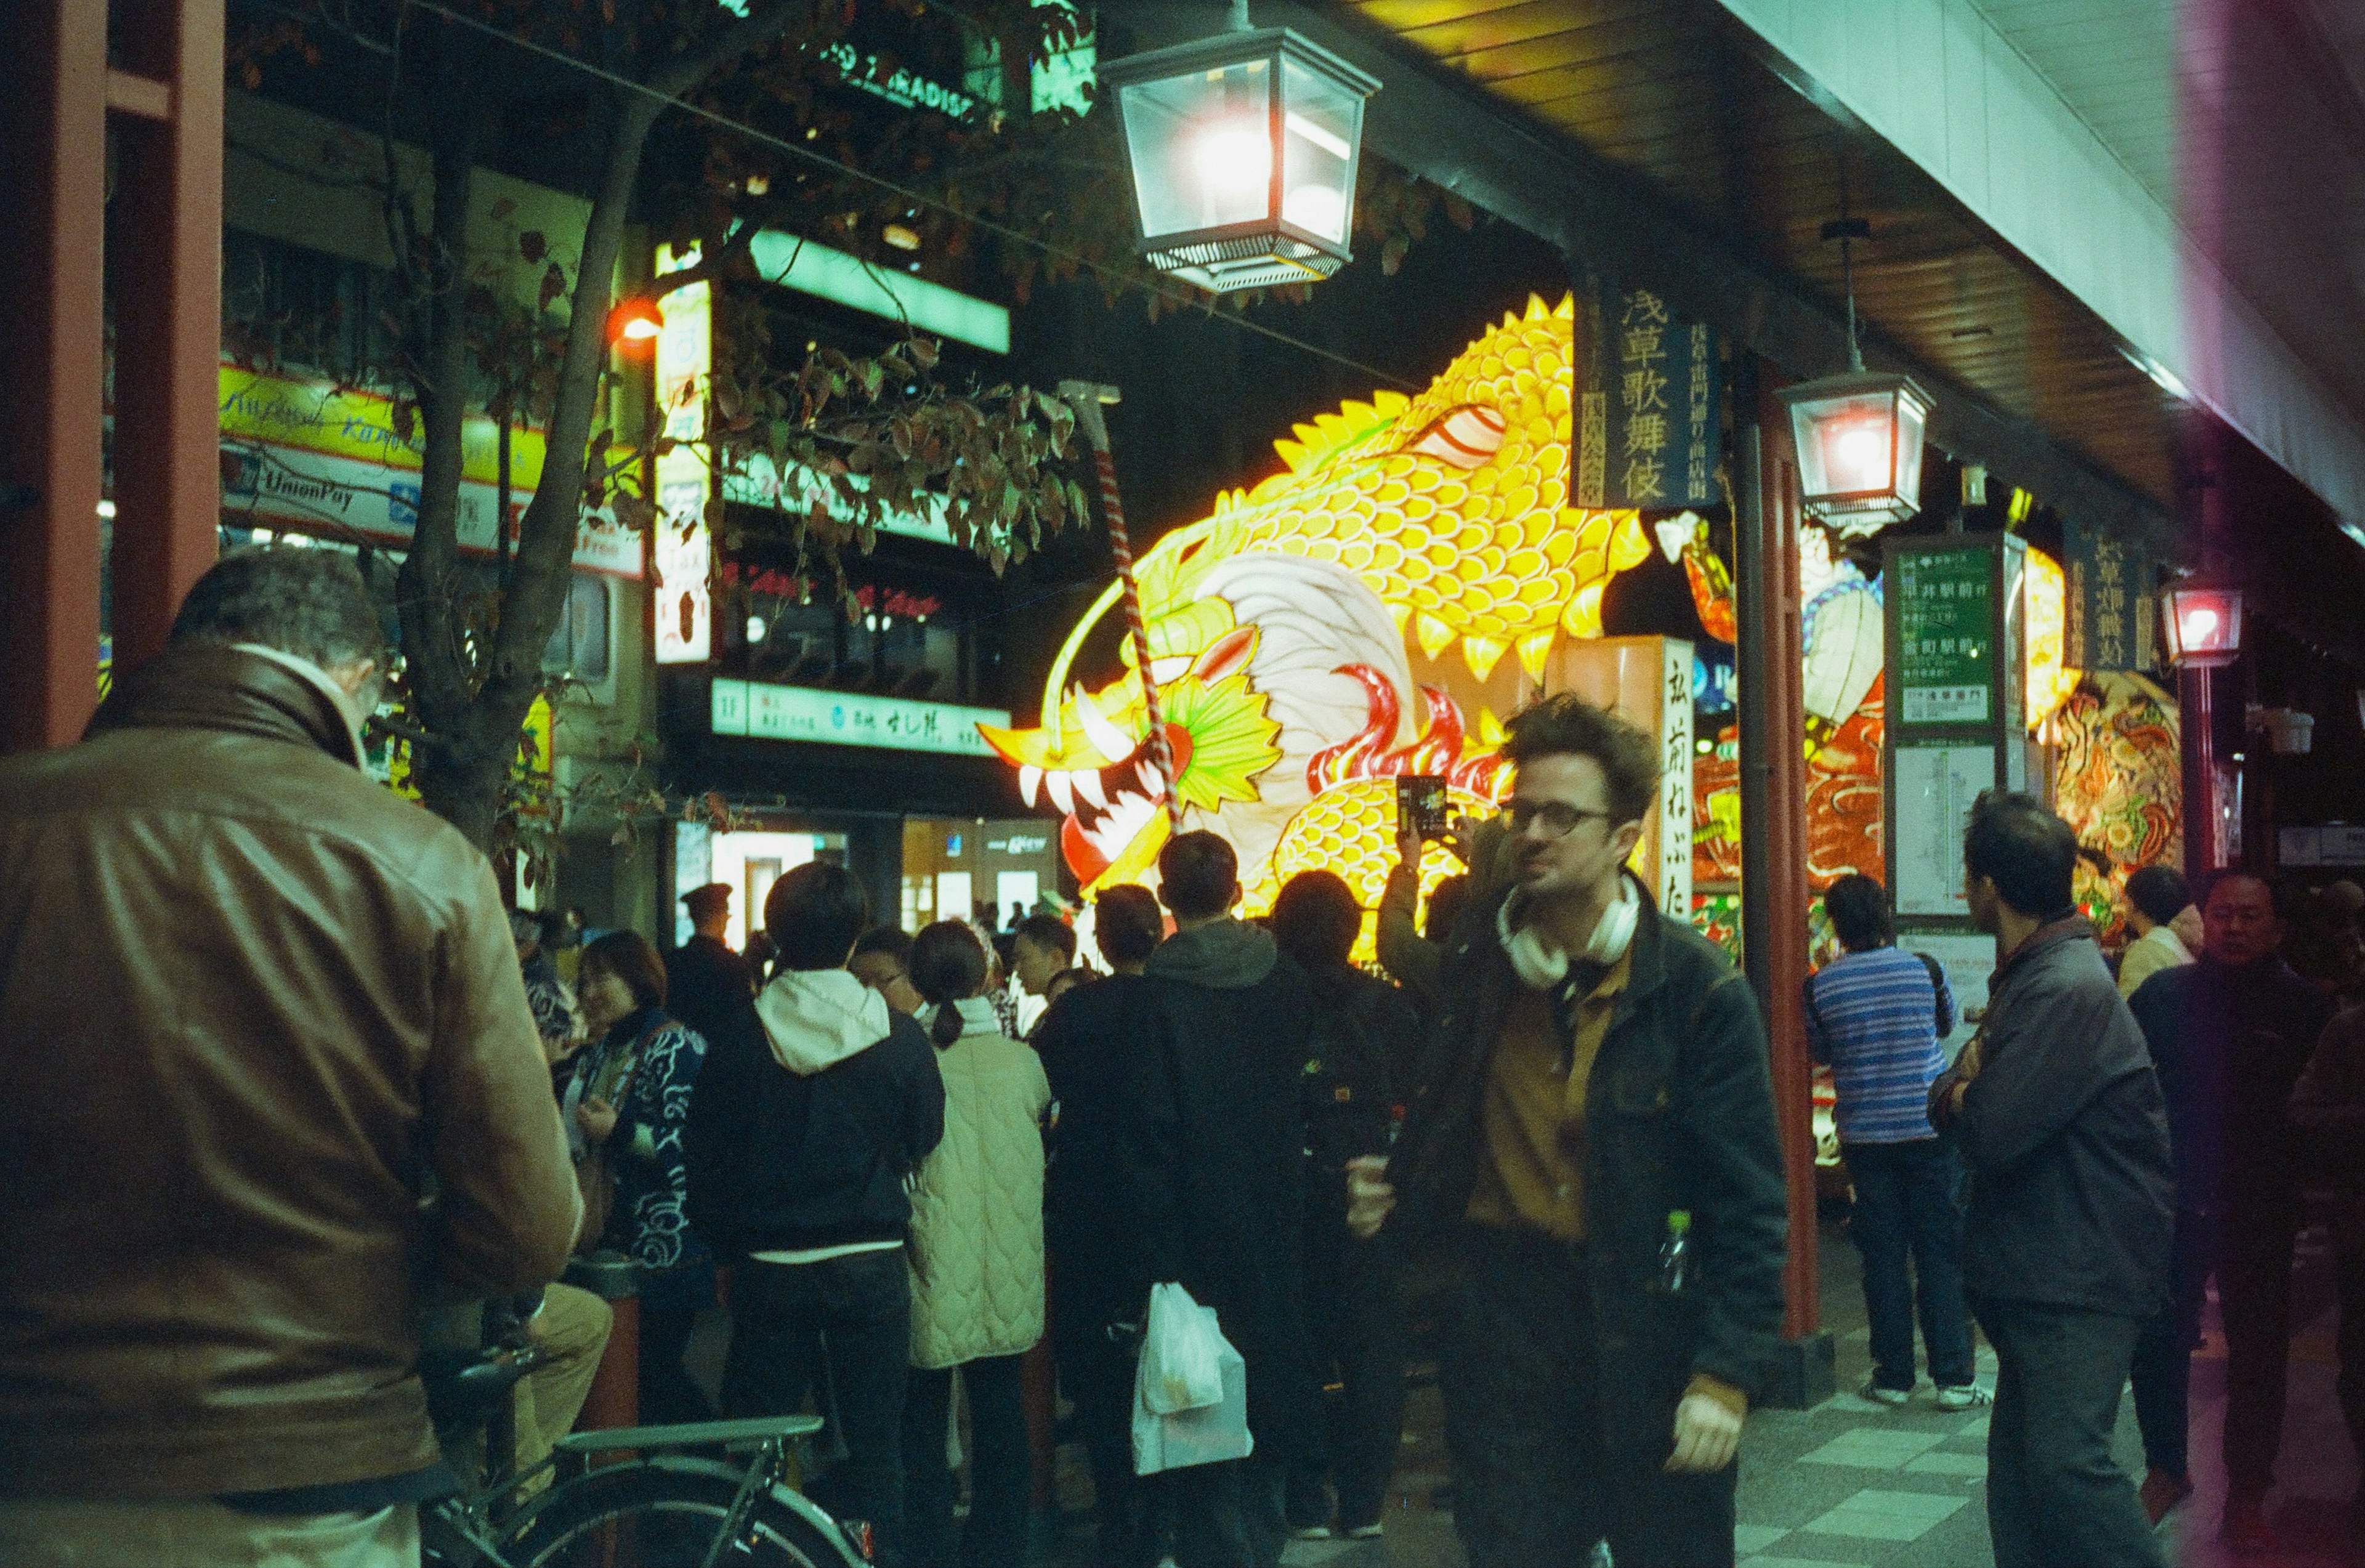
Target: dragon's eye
[{"x": 1465, "y": 437}]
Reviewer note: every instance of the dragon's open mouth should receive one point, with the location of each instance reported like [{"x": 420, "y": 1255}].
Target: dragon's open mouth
[{"x": 1108, "y": 808}]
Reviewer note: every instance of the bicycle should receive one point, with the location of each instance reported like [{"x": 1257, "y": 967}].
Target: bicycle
[{"x": 663, "y": 1506}]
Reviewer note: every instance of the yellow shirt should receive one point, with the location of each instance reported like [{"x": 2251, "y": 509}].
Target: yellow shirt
[{"x": 1533, "y": 1114}]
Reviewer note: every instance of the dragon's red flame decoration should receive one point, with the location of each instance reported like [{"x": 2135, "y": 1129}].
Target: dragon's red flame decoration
[{"x": 1438, "y": 751}]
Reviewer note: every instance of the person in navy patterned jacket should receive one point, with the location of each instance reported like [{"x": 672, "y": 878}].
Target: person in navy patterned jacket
[{"x": 630, "y": 1092}]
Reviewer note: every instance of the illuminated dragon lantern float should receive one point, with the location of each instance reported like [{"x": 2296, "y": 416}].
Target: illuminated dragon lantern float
[{"x": 1278, "y": 628}]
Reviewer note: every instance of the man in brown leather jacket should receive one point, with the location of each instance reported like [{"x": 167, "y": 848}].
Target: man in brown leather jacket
[{"x": 254, "y": 1009}]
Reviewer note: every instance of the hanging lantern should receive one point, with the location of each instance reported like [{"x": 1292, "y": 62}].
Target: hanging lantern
[
  {"x": 634, "y": 324},
  {"x": 1243, "y": 147},
  {"x": 2202, "y": 626},
  {"x": 1859, "y": 442}
]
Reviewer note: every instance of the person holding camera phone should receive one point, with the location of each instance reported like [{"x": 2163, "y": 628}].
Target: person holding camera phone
[{"x": 1591, "y": 1144}]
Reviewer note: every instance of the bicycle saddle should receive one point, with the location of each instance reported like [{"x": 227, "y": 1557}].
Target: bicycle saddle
[{"x": 466, "y": 1387}]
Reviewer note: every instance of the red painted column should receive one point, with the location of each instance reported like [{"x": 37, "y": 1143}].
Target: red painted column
[
  {"x": 52, "y": 185},
  {"x": 168, "y": 213},
  {"x": 1786, "y": 886}
]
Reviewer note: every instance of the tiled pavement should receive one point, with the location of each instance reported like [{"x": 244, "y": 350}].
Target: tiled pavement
[{"x": 1855, "y": 1485}]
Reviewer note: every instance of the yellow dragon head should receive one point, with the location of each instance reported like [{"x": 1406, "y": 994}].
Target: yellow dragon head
[{"x": 1447, "y": 510}]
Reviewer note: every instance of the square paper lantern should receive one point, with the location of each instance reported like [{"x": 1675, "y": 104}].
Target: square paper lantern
[
  {"x": 1859, "y": 441},
  {"x": 2202, "y": 626},
  {"x": 1243, "y": 147}
]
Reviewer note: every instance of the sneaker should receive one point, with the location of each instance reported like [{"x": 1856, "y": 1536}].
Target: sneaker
[
  {"x": 1372, "y": 1532},
  {"x": 1963, "y": 1397},
  {"x": 2245, "y": 1525},
  {"x": 1889, "y": 1396},
  {"x": 2161, "y": 1491},
  {"x": 1310, "y": 1532}
]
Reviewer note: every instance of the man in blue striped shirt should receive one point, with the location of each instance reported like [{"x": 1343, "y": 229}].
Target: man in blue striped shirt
[{"x": 1876, "y": 1014}]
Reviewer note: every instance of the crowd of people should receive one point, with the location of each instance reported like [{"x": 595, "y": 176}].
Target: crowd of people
[{"x": 342, "y": 1107}]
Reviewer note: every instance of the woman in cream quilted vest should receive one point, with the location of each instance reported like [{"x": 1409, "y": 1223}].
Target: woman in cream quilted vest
[{"x": 977, "y": 1265}]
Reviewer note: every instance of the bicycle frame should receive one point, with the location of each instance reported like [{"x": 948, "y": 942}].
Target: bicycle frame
[{"x": 476, "y": 1517}]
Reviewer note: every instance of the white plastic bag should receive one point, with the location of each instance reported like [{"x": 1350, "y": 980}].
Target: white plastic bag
[
  {"x": 1207, "y": 1434},
  {"x": 1179, "y": 1346}
]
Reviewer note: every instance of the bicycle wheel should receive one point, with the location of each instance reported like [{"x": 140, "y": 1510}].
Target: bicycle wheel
[{"x": 666, "y": 1513}]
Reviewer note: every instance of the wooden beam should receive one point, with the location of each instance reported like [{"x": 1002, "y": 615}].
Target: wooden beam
[{"x": 54, "y": 122}]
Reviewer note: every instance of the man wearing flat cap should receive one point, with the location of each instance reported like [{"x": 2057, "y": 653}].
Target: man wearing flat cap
[{"x": 705, "y": 981}]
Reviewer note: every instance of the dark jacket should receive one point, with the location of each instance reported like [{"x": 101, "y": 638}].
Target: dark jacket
[
  {"x": 1211, "y": 1168},
  {"x": 815, "y": 1103},
  {"x": 2229, "y": 1043},
  {"x": 1089, "y": 1041},
  {"x": 1679, "y": 1114},
  {"x": 706, "y": 983},
  {"x": 646, "y": 1149},
  {"x": 251, "y": 1006},
  {"x": 1365, "y": 1034},
  {"x": 2063, "y": 1128}
]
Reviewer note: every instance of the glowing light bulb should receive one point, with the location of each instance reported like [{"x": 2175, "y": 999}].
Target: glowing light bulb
[
  {"x": 2200, "y": 626},
  {"x": 756, "y": 628},
  {"x": 1234, "y": 158},
  {"x": 1863, "y": 456}
]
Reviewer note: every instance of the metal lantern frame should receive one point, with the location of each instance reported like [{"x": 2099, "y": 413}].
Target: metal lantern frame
[
  {"x": 1270, "y": 249},
  {"x": 2223, "y": 646},
  {"x": 1905, "y": 405}
]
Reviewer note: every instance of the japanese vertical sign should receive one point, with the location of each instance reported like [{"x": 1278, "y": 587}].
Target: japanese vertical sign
[
  {"x": 1673, "y": 879},
  {"x": 683, "y": 555},
  {"x": 1945, "y": 667},
  {"x": 1648, "y": 429},
  {"x": 2109, "y": 602}
]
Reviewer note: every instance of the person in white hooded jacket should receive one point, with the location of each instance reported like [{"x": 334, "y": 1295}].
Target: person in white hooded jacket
[
  {"x": 816, "y": 1105},
  {"x": 976, "y": 1257}
]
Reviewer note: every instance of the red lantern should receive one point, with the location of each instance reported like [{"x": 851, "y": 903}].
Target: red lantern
[
  {"x": 634, "y": 323},
  {"x": 2201, "y": 626}
]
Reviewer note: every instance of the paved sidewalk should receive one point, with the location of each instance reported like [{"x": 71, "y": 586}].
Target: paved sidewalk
[{"x": 1855, "y": 1485}]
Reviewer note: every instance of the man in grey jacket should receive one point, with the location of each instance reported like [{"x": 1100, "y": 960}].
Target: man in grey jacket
[{"x": 2056, "y": 1112}]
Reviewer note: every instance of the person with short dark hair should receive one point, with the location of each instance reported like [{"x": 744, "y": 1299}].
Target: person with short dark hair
[
  {"x": 1876, "y": 1014},
  {"x": 1040, "y": 947},
  {"x": 627, "y": 1099},
  {"x": 1210, "y": 1181},
  {"x": 2056, "y": 1108},
  {"x": 1599, "y": 1089},
  {"x": 883, "y": 960},
  {"x": 1364, "y": 1038},
  {"x": 2155, "y": 896},
  {"x": 976, "y": 1266},
  {"x": 815, "y": 1104},
  {"x": 708, "y": 981},
  {"x": 1127, "y": 927},
  {"x": 259, "y": 1011},
  {"x": 2230, "y": 1034}
]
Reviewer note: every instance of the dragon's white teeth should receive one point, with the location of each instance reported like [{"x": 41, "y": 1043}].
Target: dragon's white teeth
[
  {"x": 1030, "y": 783},
  {"x": 1114, "y": 743},
  {"x": 1149, "y": 779},
  {"x": 1088, "y": 785},
  {"x": 1063, "y": 793}
]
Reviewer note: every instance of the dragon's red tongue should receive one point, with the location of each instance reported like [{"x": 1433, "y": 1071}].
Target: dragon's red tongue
[{"x": 1083, "y": 859}]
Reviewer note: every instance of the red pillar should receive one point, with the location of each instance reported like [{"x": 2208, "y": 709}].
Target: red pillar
[
  {"x": 168, "y": 211},
  {"x": 1786, "y": 899},
  {"x": 52, "y": 184}
]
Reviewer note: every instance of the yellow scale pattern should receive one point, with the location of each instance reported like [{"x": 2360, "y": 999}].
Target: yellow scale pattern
[
  {"x": 1489, "y": 557},
  {"x": 1348, "y": 830}
]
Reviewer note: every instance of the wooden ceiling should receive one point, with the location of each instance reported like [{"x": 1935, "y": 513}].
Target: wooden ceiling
[{"x": 1675, "y": 91}]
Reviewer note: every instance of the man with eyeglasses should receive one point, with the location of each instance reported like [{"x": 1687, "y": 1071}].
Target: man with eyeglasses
[{"x": 1591, "y": 1144}]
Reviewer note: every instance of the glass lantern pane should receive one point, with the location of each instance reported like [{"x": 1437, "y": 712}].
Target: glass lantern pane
[
  {"x": 1202, "y": 148},
  {"x": 1910, "y": 417},
  {"x": 1321, "y": 121},
  {"x": 1846, "y": 444}
]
